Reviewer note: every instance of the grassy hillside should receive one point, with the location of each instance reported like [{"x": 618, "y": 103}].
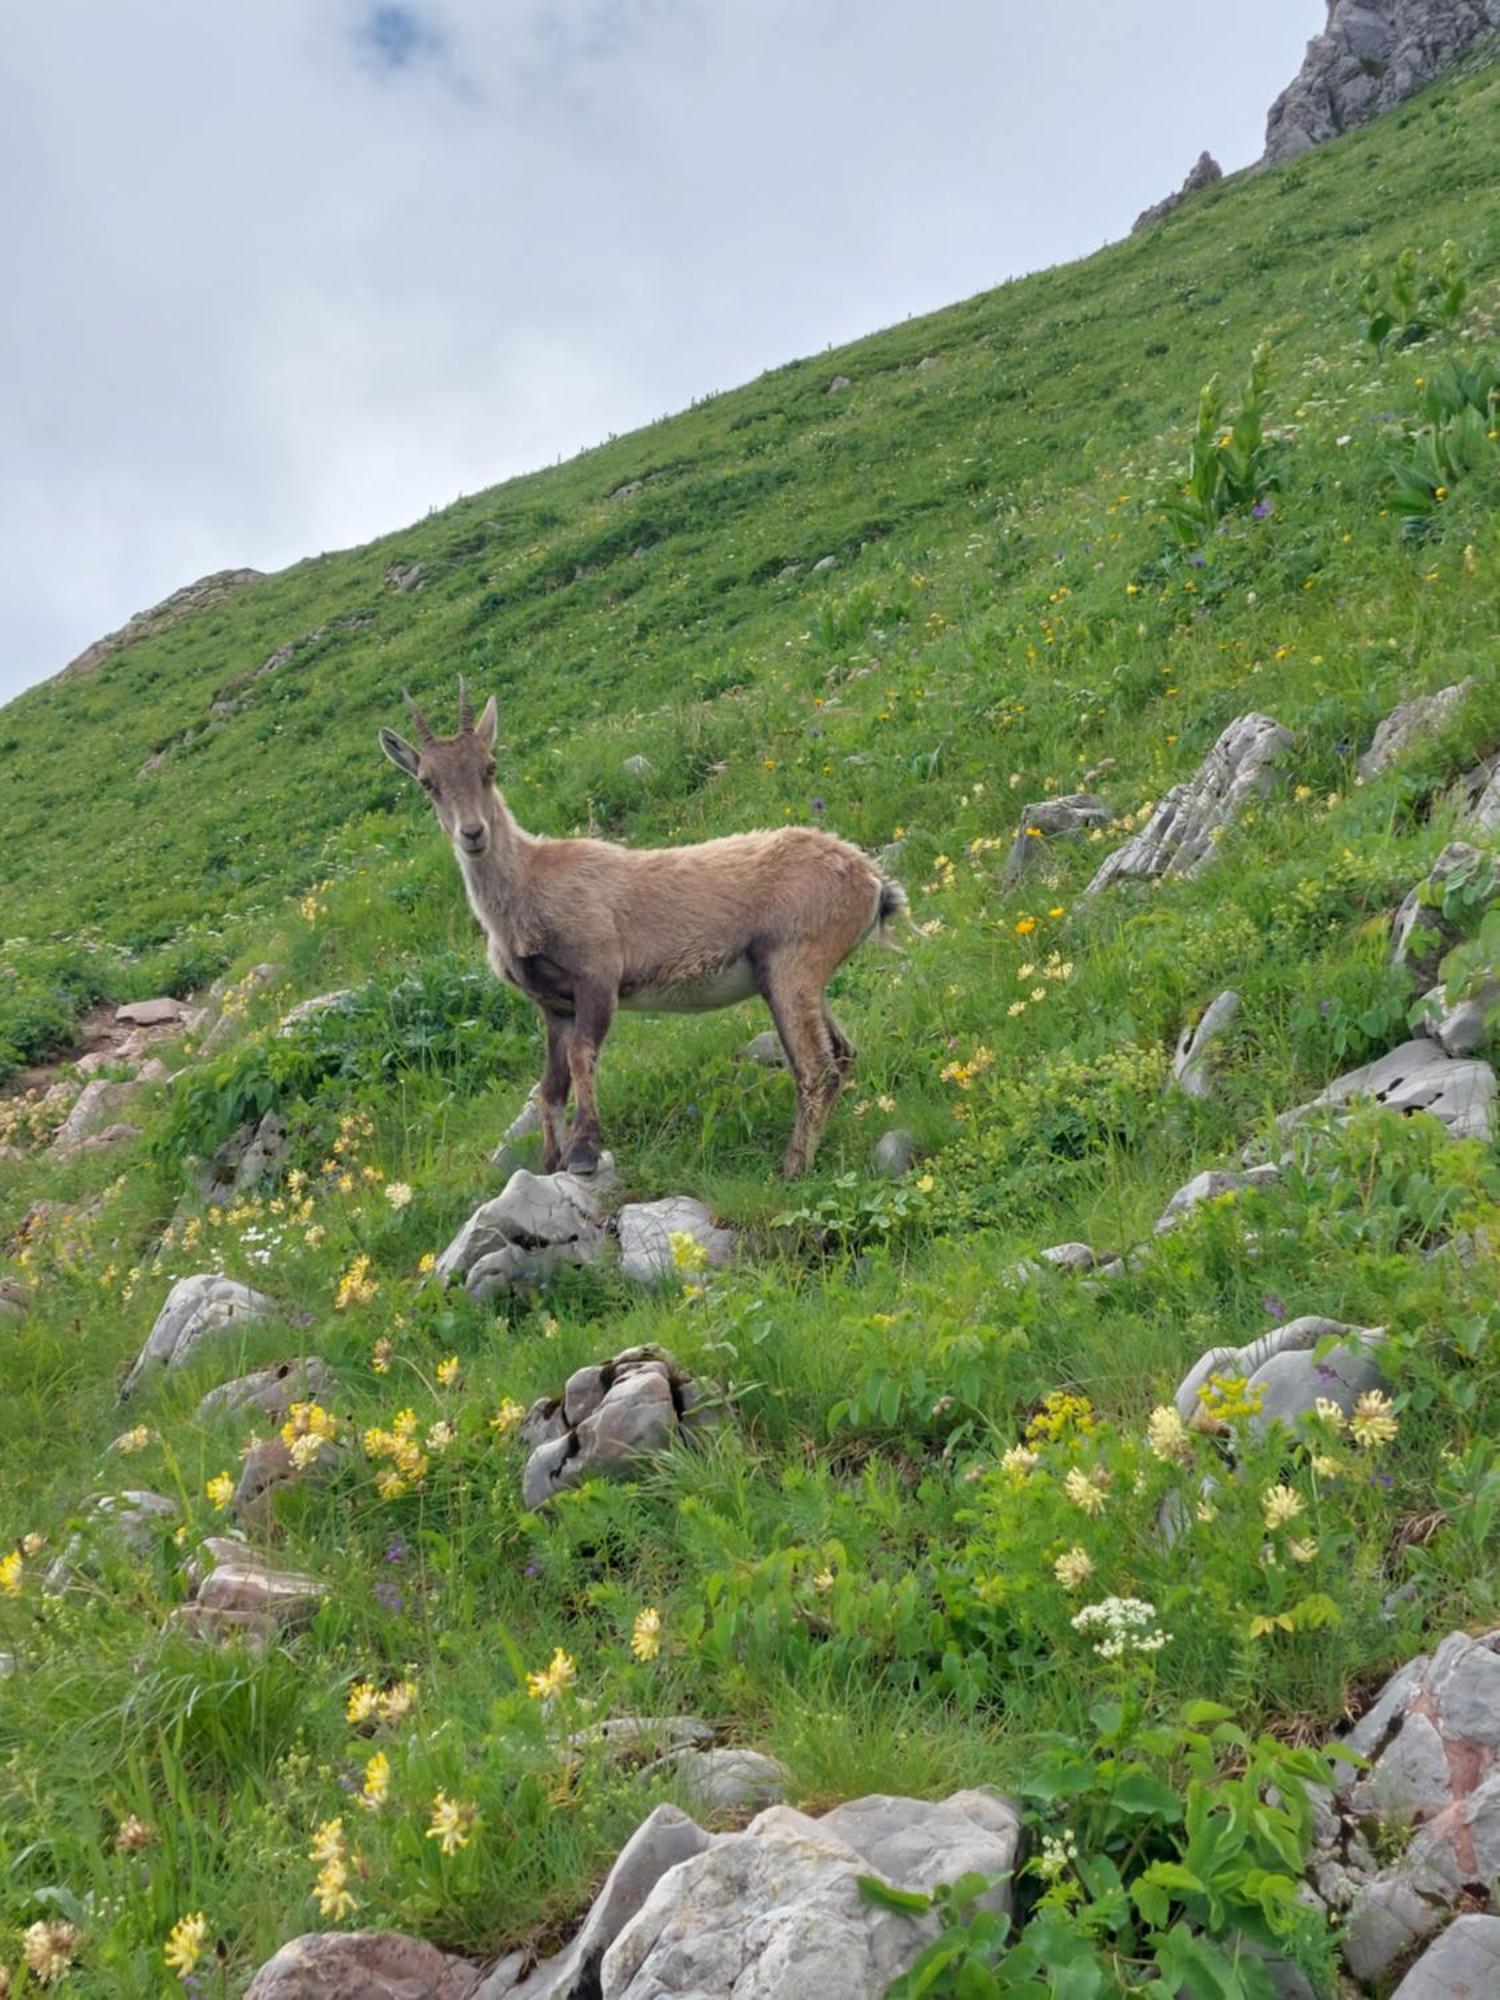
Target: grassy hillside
[{"x": 856, "y": 1578}]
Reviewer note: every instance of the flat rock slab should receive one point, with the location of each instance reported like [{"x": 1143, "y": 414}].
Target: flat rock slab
[
  {"x": 1208, "y": 1186},
  {"x": 1417, "y": 1076},
  {"x": 196, "y": 1309},
  {"x": 632, "y": 1738},
  {"x": 363, "y": 1965},
  {"x": 1464, "y": 1964},
  {"x": 1406, "y": 724},
  {"x": 646, "y": 1229},
  {"x": 236, "y": 1585},
  {"x": 1182, "y": 836},
  {"x": 150, "y": 1013}
]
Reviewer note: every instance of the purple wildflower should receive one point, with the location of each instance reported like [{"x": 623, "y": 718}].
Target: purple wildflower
[
  {"x": 817, "y": 805},
  {"x": 395, "y": 1550},
  {"x": 1271, "y": 1304},
  {"x": 387, "y": 1596},
  {"x": 1199, "y": 560},
  {"x": 1261, "y": 509}
]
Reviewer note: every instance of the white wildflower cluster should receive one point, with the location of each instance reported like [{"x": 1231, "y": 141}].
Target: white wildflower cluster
[
  {"x": 1057, "y": 1856},
  {"x": 1128, "y": 1625}
]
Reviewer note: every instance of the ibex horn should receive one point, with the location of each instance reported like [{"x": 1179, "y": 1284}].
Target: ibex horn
[
  {"x": 424, "y": 727},
  {"x": 465, "y": 711}
]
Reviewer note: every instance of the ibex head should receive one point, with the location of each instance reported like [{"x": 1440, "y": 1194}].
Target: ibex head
[{"x": 456, "y": 772}]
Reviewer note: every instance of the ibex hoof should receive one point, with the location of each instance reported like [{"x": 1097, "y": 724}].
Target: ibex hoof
[{"x": 583, "y": 1157}]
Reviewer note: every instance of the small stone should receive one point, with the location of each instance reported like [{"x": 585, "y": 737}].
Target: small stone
[
  {"x": 1192, "y": 1061},
  {"x": 825, "y": 562},
  {"x": 1208, "y": 1186},
  {"x": 646, "y": 1229},
  {"x": 839, "y": 384},
  {"x": 538, "y": 1223},
  {"x": 631, "y": 1738},
  {"x": 765, "y": 1048},
  {"x": 726, "y": 1779},
  {"x": 896, "y": 1153},
  {"x": 627, "y": 491},
  {"x": 1045, "y": 822},
  {"x": 638, "y": 767},
  {"x": 14, "y": 1298},
  {"x": 610, "y": 1419},
  {"x": 405, "y": 576},
  {"x": 91, "y": 1108},
  {"x": 1465, "y": 1027}
]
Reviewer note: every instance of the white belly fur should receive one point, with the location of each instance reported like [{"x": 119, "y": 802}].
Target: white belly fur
[{"x": 699, "y": 996}]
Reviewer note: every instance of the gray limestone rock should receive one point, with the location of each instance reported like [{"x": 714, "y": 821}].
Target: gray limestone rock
[
  {"x": 1371, "y": 56},
  {"x": 1192, "y": 1060},
  {"x": 839, "y": 384},
  {"x": 609, "y": 1419},
  {"x": 1417, "y": 1076},
  {"x": 646, "y": 1229},
  {"x": 775, "y": 1912},
  {"x": 94, "y": 1106},
  {"x": 1207, "y": 1186},
  {"x": 1476, "y": 796},
  {"x": 150, "y": 1013},
  {"x": 1463, "y": 1028},
  {"x": 1281, "y": 1369},
  {"x": 896, "y": 1153},
  {"x": 237, "y": 1583},
  {"x": 1045, "y": 822},
  {"x": 363, "y": 1965},
  {"x": 638, "y": 767},
  {"x": 1202, "y": 174},
  {"x": 1421, "y": 935},
  {"x": 637, "y": 1738},
  {"x": 1464, "y": 1964},
  {"x": 270, "y": 1391},
  {"x": 14, "y": 1298},
  {"x": 526, "y": 1123},
  {"x": 725, "y": 1779},
  {"x": 537, "y": 1223},
  {"x": 133, "y": 1517},
  {"x": 249, "y": 1156},
  {"x": 1182, "y": 835},
  {"x": 1408, "y": 722},
  {"x": 765, "y": 1048},
  {"x": 196, "y": 1308}
]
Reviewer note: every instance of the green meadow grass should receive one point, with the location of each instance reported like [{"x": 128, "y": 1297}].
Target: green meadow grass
[{"x": 848, "y": 1577}]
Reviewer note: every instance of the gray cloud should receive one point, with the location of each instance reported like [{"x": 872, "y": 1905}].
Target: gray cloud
[{"x": 284, "y": 275}]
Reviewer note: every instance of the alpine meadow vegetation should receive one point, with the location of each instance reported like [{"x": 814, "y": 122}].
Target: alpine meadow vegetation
[{"x": 926, "y": 1550}]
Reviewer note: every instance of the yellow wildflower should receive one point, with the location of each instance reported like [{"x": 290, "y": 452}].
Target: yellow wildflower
[
  {"x": 186, "y": 1943},
  {"x": 220, "y": 1489},
  {"x": 1280, "y": 1504},
  {"x": 645, "y": 1636},
  {"x": 1083, "y": 1491},
  {"x": 507, "y": 1418},
  {"x": 1167, "y": 1435},
  {"x": 554, "y": 1679},
  {"x": 363, "y": 1704},
  {"x": 688, "y": 1254},
  {"x": 397, "y": 1193},
  {"x": 453, "y": 1823},
  {"x": 1303, "y": 1551},
  {"x": 140, "y": 1438},
  {"x": 398, "y": 1700},
  {"x": 377, "y": 1786},
  {"x": 380, "y": 1356},
  {"x": 1020, "y": 1461},
  {"x": 426, "y": 1261},
  {"x": 12, "y": 1571},
  {"x": 1373, "y": 1422},
  {"x": 1025, "y": 926},
  {"x": 1073, "y": 1567},
  {"x": 447, "y": 1371}
]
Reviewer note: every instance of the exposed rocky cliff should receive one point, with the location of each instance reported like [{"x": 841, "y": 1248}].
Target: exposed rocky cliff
[
  {"x": 208, "y": 590},
  {"x": 1204, "y": 172},
  {"x": 1371, "y": 55}
]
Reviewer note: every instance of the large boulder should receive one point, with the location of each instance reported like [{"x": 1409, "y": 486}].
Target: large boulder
[
  {"x": 1283, "y": 1374},
  {"x": 363, "y": 1965},
  {"x": 133, "y": 1517},
  {"x": 1417, "y": 1076},
  {"x": 248, "y": 1157},
  {"x": 648, "y": 1255},
  {"x": 197, "y": 1309},
  {"x": 776, "y": 1912},
  {"x": 1406, "y": 724},
  {"x": 1430, "y": 1742},
  {"x": 1182, "y": 835},
  {"x": 1371, "y": 56},
  {"x": 609, "y": 1419},
  {"x": 1045, "y": 822},
  {"x": 94, "y": 1106},
  {"x": 239, "y": 1594},
  {"x": 536, "y": 1225}
]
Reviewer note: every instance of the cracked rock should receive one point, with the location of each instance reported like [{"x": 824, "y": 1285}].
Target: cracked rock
[
  {"x": 1282, "y": 1370},
  {"x": 1421, "y": 935},
  {"x": 363, "y": 1965},
  {"x": 608, "y": 1419},
  {"x": 1182, "y": 835},
  {"x": 270, "y": 1391},
  {"x": 538, "y": 1223},
  {"x": 1192, "y": 1060},
  {"x": 239, "y": 1593},
  {"x": 1417, "y": 1076},
  {"x": 1045, "y": 822},
  {"x": 1464, "y": 1964},
  {"x": 1407, "y": 724}
]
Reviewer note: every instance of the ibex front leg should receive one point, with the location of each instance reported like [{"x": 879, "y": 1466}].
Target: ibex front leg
[
  {"x": 556, "y": 1082},
  {"x": 593, "y": 1011}
]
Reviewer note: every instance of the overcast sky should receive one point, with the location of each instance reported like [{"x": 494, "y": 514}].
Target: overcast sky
[{"x": 280, "y": 275}]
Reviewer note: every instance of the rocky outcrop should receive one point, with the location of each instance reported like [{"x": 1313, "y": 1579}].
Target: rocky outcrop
[
  {"x": 199, "y": 596},
  {"x": 1203, "y": 173},
  {"x": 1283, "y": 1375},
  {"x": 1408, "y": 723},
  {"x": 1464, "y": 1964},
  {"x": 1182, "y": 835},
  {"x": 1417, "y": 1076},
  {"x": 1431, "y": 1741},
  {"x": 1372, "y": 55},
  {"x": 1208, "y": 1186},
  {"x": 609, "y": 1419}
]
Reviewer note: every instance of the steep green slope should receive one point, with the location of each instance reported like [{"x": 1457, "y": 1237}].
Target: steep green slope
[{"x": 857, "y": 1578}]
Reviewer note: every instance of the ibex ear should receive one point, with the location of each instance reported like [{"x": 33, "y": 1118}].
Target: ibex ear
[
  {"x": 399, "y": 751},
  {"x": 485, "y": 727}
]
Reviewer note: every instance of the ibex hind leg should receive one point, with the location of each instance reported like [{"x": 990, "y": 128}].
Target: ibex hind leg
[
  {"x": 556, "y": 1086},
  {"x": 807, "y": 1034}
]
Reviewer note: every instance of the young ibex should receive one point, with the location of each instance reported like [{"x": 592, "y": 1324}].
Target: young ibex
[{"x": 583, "y": 927}]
